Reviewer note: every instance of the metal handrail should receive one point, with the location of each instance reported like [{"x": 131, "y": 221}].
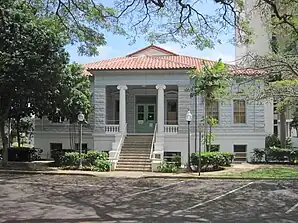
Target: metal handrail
[{"x": 153, "y": 141}]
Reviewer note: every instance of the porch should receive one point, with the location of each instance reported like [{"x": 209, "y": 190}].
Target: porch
[{"x": 137, "y": 109}]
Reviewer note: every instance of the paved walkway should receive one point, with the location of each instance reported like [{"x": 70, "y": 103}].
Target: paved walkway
[{"x": 235, "y": 168}]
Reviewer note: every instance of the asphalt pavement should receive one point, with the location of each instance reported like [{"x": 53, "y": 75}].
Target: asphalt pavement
[{"x": 49, "y": 198}]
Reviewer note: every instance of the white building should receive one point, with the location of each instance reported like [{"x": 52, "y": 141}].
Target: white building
[{"x": 140, "y": 104}]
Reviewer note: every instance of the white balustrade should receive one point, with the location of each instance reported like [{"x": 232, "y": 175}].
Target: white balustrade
[
  {"x": 111, "y": 128},
  {"x": 171, "y": 129}
]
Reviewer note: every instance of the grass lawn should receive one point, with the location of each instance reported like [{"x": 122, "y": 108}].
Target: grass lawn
[{"x": 270, "y": 172}]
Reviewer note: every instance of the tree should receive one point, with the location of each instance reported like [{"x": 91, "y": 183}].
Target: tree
[
  {"x": 74, "y": 97},
  {"x": 20, "y": 127},
  {"x": 279, "y": 67},
  {"x": 85, "y": 22},
  {"x": 294, "y": 123},
  {"x": 210, "y": 136},
  {"x": 32, "y": 59},
  {"x": 212, "y": 84}
]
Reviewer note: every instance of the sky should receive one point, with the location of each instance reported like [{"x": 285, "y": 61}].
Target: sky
[{"x": 119, "y": 46}]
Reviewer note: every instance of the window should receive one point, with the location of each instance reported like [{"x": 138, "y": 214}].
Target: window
[
  {"x": 172, "y": 115},
  {"x": 212, "y": 109},
  {"x": 239, "y": 111},
  {"x": 240, "y": 153}
]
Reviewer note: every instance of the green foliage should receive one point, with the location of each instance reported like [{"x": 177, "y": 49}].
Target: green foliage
[
  {"x": 213, "y": 160},
  {"x": 212, "y": 82},
  {"x": 209, "y": 136},
  {"x": 177, "y": 161},
  {"x": 70, "y": 159},
  {"x": 73, "y": 95},
  {"x": 93, "y": 155},
  {"x": 275, "y": 154},
  {"x": 101, "y": 165},
  {"x": 32, "y": 59},
  {"x": 92, "y": 160},
  {"x": 258, "y": 155},
  {"x": 167, "y": 167},
  {"x": 274, "y": 141}
]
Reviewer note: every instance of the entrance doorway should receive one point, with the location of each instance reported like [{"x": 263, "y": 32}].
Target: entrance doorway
[{"x": 145, "y": 118}]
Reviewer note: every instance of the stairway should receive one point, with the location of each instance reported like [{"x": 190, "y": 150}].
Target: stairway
[{"x": 135, "y": 153}]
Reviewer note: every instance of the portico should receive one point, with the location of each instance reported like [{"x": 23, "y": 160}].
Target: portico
[{"x": 137, "y": 109}]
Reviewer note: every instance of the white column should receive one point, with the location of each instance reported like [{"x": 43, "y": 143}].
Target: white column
[
  {"x": 122, "y": 107},
  {"x": 160, "y": 108}
]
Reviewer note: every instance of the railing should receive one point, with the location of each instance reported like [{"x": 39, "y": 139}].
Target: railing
[
  {"x": 111, "y": 128},
  {"x": 153, "y": 142},
  {"x": 117, "y": 152},
  {"x": 171, "y": 129}
]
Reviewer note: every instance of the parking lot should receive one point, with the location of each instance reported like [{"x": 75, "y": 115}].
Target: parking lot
[{"x": 45, "y": 198}]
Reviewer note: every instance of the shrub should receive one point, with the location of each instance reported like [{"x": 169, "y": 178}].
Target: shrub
[
  {"x": 167, "y": 167},
  {"x": 101, "y": 165},
  {"x": 93, "y": 155},
  {"x": 70, "y": 159},
  {"x": 274, "y": 141},
  {"x": 213, "y": 160},
  {"x": 275, "y": 154},
  {"x": 258, "y": 155},
  {"x": 23, "y": 154},
  {"x": 177, "y": 161}
]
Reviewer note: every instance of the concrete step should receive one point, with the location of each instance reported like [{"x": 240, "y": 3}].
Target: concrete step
[
  {"x": 137, "y": 142},
  {"x": 133, "y": 162},
  {"x": 134, "y": 156},
  {"x": 146, "y": 160},
  {"x": 134, "y": 169},
  {"x": 136, "y": 150},
  {"x": 133, "y": 166}
]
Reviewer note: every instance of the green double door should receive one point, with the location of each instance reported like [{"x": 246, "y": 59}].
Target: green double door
[{"x": 145, "y": 118}]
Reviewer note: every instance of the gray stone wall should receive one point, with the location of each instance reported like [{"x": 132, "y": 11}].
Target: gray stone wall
[
  {"x": 255, "y": 119},
  {"x": 99, "y": 108},
  {"x": 184, "y": 103},
  {"x": 130, "y": 111}
]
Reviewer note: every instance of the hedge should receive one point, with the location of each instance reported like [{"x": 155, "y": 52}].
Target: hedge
[
  {"x": 23, "y": 154},
  {"x": 213, "y": 160},
  {"x": 93, "y": 160},
  {"x": 275, "y": 154}
]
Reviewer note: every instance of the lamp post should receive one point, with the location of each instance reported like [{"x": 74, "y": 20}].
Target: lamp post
[
  {"x": 81, "y": 118},
  {"x": 200, "y": 147},
  {"x": 188, "y": 119}
]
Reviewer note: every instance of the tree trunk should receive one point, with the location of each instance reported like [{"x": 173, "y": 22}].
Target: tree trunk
[
  {"x": 282, "y": 133},
  {"x": 210, "y": 138},
  {"x": 5, "y": 144},
  {"x": 18, "y": 132}
]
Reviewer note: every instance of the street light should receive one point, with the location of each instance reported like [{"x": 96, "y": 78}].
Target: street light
[
  {"x": 188, "y": 119},
  {"x": 81, "y": 118}
]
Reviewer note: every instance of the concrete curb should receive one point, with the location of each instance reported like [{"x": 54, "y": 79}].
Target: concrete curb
[
  {"x": 31, "y": 172},
  {"x": 91, "y": 174},
  {"x": 217, "y": 178}
]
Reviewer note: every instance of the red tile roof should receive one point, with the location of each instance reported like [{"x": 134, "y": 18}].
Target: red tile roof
[{"x": 165, "y": 61}]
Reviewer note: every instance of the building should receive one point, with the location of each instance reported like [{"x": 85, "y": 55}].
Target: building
[
  {"x": 261, "y": 46},
  {"x": 140, "y": 104}
]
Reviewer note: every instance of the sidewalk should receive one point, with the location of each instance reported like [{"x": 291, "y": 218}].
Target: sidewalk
[{"x": 236, "y": 168}]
